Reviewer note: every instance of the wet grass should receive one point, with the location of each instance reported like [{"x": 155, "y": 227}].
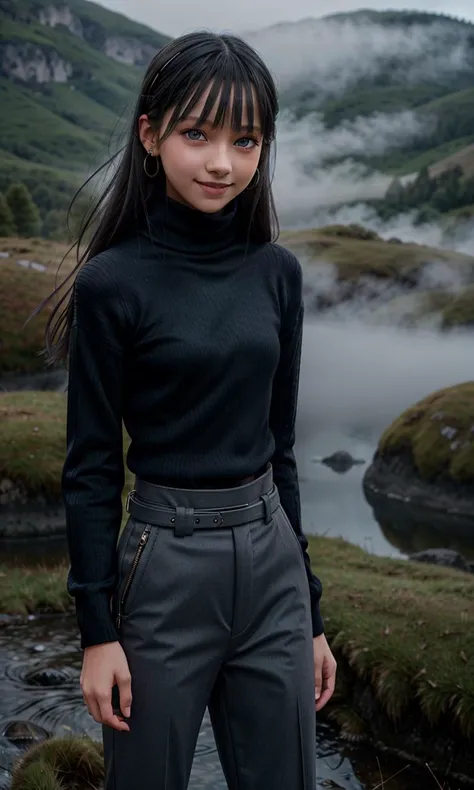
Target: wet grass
[{"x": 438, "y": 432}]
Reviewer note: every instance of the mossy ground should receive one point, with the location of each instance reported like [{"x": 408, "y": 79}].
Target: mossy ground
[
  {"x": 355, "y": 256},
  {"x": 438, "y": 432},
  {"x": 405, "y": 628},
  {"x": 456, "y": 309},
  {"x": 33, "y": 440},
  {"x": 33, "y": 429}
]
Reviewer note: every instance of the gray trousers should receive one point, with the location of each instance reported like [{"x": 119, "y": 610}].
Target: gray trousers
[{"x": 218, "y": 617}]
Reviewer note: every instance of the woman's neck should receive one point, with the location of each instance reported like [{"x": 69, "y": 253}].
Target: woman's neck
[{"x": 178, "y": 228}]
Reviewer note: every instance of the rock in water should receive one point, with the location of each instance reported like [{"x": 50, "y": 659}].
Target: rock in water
[
  {"x": 24, "y": 733},
  {"x": 48, "y": 676},
  {"x": 445, "y": 557},
  {"x": 340, "y": 461}
]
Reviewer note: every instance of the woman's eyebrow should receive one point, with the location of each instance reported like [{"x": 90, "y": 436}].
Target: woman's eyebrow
[{"x": 208, "y": 122}]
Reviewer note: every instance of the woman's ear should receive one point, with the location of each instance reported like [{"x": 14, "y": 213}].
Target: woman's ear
[{"x": 146, "y": 134}]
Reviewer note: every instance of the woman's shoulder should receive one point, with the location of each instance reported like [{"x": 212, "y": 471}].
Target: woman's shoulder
[
  {"x": 108, "y": 271},
  {"x": 289, "y": 264}
]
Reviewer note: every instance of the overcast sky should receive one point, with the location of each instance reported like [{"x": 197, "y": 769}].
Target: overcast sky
[{"x": 179, "y": 16}]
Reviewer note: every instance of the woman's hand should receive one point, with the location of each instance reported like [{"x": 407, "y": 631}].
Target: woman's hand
[
  {"x": 324, "y": 671},
  {"x": 104, "y": 666}
]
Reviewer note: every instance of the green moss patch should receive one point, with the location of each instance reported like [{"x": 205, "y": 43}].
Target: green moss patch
[{"x": 438, "y": 433}]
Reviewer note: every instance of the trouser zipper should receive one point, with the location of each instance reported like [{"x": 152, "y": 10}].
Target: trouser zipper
[{"x": 141, "y": 545}]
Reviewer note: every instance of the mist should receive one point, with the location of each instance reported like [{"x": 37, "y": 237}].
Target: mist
[
  {"x": 306, "y": 177},
  {"x": 317, "y": 169},
  {"x": 361, "y": 367},
  {"x": 335, "y": 54},
  {"x": 365, "y": 377}
]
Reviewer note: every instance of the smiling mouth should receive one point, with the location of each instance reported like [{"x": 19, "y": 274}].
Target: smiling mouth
[{"x": 214, "y": 184}]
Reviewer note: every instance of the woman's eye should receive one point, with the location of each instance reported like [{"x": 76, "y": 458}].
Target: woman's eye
[
  {"x": 194, "y": 134},
  {"x": 246, "y": 140}
]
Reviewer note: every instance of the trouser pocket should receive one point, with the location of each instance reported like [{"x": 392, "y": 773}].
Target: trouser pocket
[{"x": 135, "y": 560}]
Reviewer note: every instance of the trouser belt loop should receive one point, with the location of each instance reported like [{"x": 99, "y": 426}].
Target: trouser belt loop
[
  {"x": 184, "y": 524},
  {"x": 268, "y": 508}
]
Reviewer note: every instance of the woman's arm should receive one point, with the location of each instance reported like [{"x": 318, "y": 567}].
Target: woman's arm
[
  {"x": 93, "y": 471},
  {"x": 282, "y": 425}
]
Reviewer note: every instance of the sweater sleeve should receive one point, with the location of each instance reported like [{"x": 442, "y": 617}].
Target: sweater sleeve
[
  {"x": 282, "y": 424},
  {"x": 93, "y": 471}
]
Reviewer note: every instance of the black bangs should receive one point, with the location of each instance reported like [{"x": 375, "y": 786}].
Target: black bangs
[{"x": 232, "y": 93}]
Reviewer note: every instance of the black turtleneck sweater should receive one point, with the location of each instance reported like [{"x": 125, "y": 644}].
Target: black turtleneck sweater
[{"x": 193, "y": 340}]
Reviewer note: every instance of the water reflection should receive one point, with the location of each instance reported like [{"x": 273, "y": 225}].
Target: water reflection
[{"x": 412, "y": 530}]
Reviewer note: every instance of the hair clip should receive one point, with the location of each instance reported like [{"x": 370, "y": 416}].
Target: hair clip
[{"x": 162, "y": 68}]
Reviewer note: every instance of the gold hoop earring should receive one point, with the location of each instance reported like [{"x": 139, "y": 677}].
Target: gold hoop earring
[
  {"x": 252, "y": 186},
  {"x": 145, "y": 166}
]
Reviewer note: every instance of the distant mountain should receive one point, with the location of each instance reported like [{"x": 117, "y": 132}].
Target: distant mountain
[{"x": 68, "y": 71}]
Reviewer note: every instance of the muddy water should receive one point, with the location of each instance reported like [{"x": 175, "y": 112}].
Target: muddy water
[{"x": 52, "y": 643}]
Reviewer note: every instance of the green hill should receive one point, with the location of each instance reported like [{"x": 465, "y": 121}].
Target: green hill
[{"x": 68, "y": 73}]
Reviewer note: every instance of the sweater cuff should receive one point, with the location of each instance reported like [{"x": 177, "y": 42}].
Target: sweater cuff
[
  {"x": 317, "y": 620},
  {"x": 95, "y": 621}
]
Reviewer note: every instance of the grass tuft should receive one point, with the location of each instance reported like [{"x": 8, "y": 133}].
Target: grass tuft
[{"x": 72, "y": 763}]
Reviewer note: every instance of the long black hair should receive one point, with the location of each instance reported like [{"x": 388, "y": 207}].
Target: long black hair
[{"x": 175, "y": 80}]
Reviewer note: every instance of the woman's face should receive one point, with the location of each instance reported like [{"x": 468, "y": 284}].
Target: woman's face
[{"x": 205, "y": 168}]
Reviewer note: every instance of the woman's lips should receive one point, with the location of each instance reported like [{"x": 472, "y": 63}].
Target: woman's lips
[{"x": 213, "y": 187}]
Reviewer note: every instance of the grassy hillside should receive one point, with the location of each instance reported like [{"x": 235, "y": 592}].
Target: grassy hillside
[{"x": 63, "y": 67}]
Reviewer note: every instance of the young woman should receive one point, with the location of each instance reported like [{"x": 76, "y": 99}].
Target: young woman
[{"x": 185, "y": 323}]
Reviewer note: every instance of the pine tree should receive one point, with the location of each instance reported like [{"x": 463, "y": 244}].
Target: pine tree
[
  {"x": 43, "y": 197},
  {"x": 7, "y": 224},
  {"x": 25, "y": 213},
  {"x": 55, "y": 225}
]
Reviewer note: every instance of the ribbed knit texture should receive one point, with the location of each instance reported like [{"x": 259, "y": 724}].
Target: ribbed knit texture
[{"x": 194, "y": 341}]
